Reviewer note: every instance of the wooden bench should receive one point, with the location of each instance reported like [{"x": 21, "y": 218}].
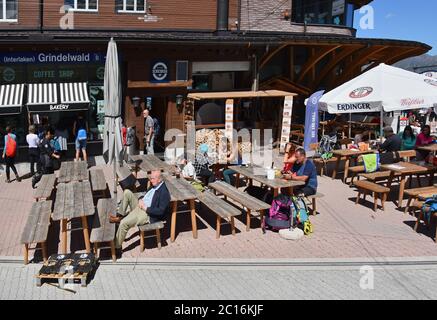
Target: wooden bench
[
  {"x": 252, "y": 204},
  {"x": 45, "y": 187},
  {"x": 157, "y": 226},
  {"x": 355, "y": 171},
  {"x": 103, "y": 230},
  {"x": 415, "y": 193},
  {"x": 36, "y": 229},
  {"x": 313, "y": 200},
  {"x": 418, "y": 205},
  {"x": 98, "y": 182},
  {"x": 221, "y": 208},
  {"x": 366, "y": 187}
]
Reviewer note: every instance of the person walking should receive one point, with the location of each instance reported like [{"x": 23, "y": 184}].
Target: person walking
[
  {"x": 149, "y": 134},
  {"x": 9, "y": 153},
  {"x": 33, "y": 141},
  {"x": 47, "y": 153},
  {"x": 80, "y": 129}
]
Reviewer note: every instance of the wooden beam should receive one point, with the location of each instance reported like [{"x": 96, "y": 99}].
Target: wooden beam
[
  {"x": 396, "y": 57},
  {"x": 270, "y": 55},
  {"x": 148, "y": 84},
  {"x": 358, "y": 62},
  {"x": 319, "y": 55},
  {"x": 346, "y": 52},
  {"x": 406, "y": 54},
  {"x": 285, "y": 84}
]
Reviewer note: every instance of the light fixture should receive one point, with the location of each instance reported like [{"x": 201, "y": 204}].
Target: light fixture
[
  {"x": 179, "y": 102},
  {"x": 136, "y": 102}
]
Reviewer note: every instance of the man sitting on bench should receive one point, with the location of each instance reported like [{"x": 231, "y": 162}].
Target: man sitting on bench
[
  {"x": 150, "y": 209},
  {"x": 304, "y": 170}
]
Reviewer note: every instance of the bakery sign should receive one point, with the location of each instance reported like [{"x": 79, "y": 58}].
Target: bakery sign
[{"x": 159, "y": 72}]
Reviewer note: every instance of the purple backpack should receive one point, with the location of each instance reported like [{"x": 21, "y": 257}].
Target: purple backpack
[{"x": 280, "y": 214}]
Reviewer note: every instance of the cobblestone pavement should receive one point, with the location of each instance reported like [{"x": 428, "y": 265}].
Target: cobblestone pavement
[
  {"x": 341, "y": 230},
  {"x": 136, "y": 281}
]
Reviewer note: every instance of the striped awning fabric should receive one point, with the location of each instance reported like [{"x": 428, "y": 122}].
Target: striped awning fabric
[
  {"x": 74, "y": 92},
  {"x": 11, "y": 98},
  {"x": 42, "y": 94}
]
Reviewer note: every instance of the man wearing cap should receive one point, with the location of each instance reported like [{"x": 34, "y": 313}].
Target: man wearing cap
[
  {"x": 202, "y": 163},
  {"x": 392, "y": 143}
]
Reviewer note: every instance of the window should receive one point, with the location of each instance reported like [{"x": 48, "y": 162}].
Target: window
[
  {"x": 82, "y": 5},
  {"x": 9, "y": 10},
  {"x": 128, "y": 6},
  {"x": 329, "y": 12}
]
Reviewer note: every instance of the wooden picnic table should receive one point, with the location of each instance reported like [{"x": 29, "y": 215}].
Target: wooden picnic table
[
  {"x": 73, "y": 200},
  {"x": 181, "y": 190},
  {"x": 406, "y": 169},
  {"x": 71, "y": 171},
  {"x": 45, "y": 187},
  {"x": 150, "y": 162},
  {"x": 258, "y": 174},
  {"x": 346, "y": 154},
  {"x": 432, "y": 148}
]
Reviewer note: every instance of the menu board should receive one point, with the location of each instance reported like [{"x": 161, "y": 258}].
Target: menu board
[
  {"x": 286, "y": 121},
  {"x": 229, "y": 120}
]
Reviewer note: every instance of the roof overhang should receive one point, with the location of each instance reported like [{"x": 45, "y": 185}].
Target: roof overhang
[{"x": 240, "y": 94}]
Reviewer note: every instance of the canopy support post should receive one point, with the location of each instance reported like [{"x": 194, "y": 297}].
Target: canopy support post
[{"x": 381, "y": 124}]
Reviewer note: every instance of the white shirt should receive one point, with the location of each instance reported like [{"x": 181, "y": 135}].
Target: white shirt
[
  {"x": 189, "y": 171},
  {"x": 32, "y": 140}
]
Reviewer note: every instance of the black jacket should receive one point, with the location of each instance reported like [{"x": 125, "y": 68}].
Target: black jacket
[{"x": 160, "y": 203}]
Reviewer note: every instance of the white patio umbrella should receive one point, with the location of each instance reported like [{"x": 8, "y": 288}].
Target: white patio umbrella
[
  {"x": 383, "y": 88},
  {"x": 112, "y": 139}
]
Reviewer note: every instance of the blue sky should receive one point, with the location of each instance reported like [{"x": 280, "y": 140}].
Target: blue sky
[{"x": 403, "y": 20}]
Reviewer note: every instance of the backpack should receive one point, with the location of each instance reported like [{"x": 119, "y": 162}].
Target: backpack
[
  {"x": 280, "y": 214},
  {"x": 11, "y": 147},
  {"x": 287, "y": 212},
  {"x": 156, "y": 127},
  {"x": 326, "y": 146},
  {"x": 429, "y": 208},
  {"x": 81, "y": 134}
]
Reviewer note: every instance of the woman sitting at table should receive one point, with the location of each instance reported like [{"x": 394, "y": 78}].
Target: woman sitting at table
[
  {"x": 423, "y": 139},
  {"x": 408, "y": 139},
  {"x": 235, "y": 158},
  {"x": 289, "y": 158}
]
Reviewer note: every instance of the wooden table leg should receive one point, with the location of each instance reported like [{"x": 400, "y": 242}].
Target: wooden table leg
[
  {"x": 275, "y": 192},
  {"x": 173, "y": 221},
  {"x": 401, "y": 191},
  {"x": 237, "y": 180},
  {"x": 337, "y": 167},
  {"x": 141, "y": 241},
  {"x": 248, "y": 220},
  {"x": 26, "y": 253},
  {"x": 193, "y": 218},
  {"x": 86, "y": 235},
  {"x": 233, "y": 225},
  {"x": 114, "y": 256},
  {"x": 346, "y": 169},
  {"x": 431, "y": 179},
  {"x": 390, "y": 179},
  {"x": 217, "y": 228},
  {"x": 64, "y": 236},
  {"x": 44, "y": 251},
  {"x": 263, "y": 222}
]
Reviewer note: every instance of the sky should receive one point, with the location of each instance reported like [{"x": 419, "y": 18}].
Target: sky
[{"x": 402, "y": 20}]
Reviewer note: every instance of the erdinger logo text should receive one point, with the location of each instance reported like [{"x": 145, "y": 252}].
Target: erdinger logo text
[
  {"x": 353, "y": 106},
  {"x": 59, "y": 107},
  {"x": 361, "y": 92}
]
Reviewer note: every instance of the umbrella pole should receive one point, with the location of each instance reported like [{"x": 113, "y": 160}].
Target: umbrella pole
[
  {"x": 350, "y": 125},
  {"x": 381, "y": 123}
]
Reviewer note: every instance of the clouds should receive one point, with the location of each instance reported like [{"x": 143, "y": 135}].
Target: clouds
[{"x": 390, "y": 15}]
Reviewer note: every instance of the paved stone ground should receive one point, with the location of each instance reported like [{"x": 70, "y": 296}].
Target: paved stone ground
[
  {"x": 120, "y": 281},
  {"x": 341, "y": 230}
]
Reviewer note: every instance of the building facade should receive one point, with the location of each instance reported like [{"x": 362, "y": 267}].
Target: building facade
[{"x": 169, "y": 48}]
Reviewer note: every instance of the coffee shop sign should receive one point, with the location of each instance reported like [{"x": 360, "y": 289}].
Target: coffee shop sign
[{"x": 52, "y": 57}]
